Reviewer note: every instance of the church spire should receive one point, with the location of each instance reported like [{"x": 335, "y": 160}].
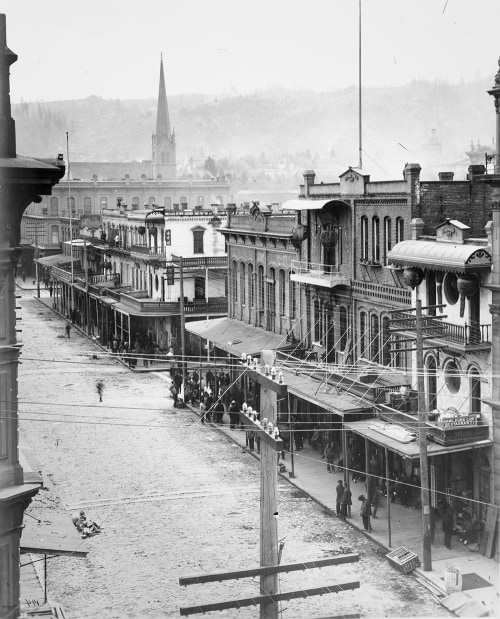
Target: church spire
[
  {"x": 163, "y": 143},
  {"x": 162, "y": 118}
]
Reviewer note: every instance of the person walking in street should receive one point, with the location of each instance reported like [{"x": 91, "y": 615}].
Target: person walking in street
[
  {"x": 100, "y": 389},
  {"x": 339, "y": 490},
  {"x": 365, "y": 512},
  {"x": 447, "y": 526},
  {"x": 68, "y": 329},
  {"x": 346, "y": 502},
  {"x": 329, "y": 457}
]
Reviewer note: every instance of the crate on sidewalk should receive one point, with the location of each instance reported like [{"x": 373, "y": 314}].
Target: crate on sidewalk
[{"x": 403, "y": 559}]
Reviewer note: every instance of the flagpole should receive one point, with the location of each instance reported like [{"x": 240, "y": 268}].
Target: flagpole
[
  {"x": 360, "y": 166},
  {"x": 70, "y": 224}
]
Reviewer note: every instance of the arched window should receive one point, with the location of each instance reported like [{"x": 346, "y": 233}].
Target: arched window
[
  {"x": 292, "y": 296},
  {"x": 167, "y": 202},
  {"x": 475, "y": 391},
  {"x": 251, "y": 285},
  {"x": 271, "y": 292},
  {"x": 54, "y": 234},
  {"x": 282, "y": 292},
  {"x": 260, "y": 287},
  {"x": 183, "y": 202},
  {"x": 364, "y": 238},
  {"x": 151, "y": 200},
  {"x": 219, "y": 200},
  {"x": 376, "y": 239},
  {"x": 431, "y": 375},
  {"x": 317, "y": 320},
  {"x": 242, "y": 284},
  {"x": 87, "y": 205},
  {"x": 70, "y": 203},
  {"x": 374, "y": 338},
  {"x": 343, "y": 326},
  {"x": 386, "y": 342},
  {"x": 103, "y": 201},
  {"x": 363, "y": 334},
  {"x": 234, "y": 282},
  {"x": 387, "y": 237},
  {"x": 400, "y": 229},
  {"x": 135, "y": 203},
  {"x": 54, "y": 206}
]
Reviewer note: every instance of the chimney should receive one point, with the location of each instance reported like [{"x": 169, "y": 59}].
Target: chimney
[
  {"x": 446, "y": 176},
  {"x": 475, "y": 170},
  {"x": 309, "y": 176}
]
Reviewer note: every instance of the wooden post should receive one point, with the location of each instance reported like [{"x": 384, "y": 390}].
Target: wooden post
[
  {"x": 388, "y": 497},
  {"x": 268, "y": 526},
  {"x": 422, "y": 439},
  {"x": 181, "y": 305}
]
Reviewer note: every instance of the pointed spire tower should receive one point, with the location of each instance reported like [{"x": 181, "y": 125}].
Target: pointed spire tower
[{"x": 163, "y": 141}]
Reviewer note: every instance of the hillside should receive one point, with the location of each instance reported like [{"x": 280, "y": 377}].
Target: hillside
[{"x": 300, "y": 129}]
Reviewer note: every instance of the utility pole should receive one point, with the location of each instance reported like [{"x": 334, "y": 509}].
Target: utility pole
[
  {"x": 422, "y": 440},
  {"x": 183, "y": 319},
  {"x": 37, "y": 256}
]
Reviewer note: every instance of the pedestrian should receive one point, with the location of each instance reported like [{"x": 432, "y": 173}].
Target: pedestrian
[
  {"x": 209, "y": 378},
  {"x": 51, "y": 287},
  {"x": 68, "y": 329},
  {"x": 375, "y": 501},
  {"x": 365, "y": 512},
  {"x": 346, "y": 502},
  {"x": 448, "y": 526},
  {"x": 339, "y": 490},
  {"x": 100, "y": 389},
  {"x": 329, "y": 457},
  {"x": 219, "y": 412},
  {"x": 251, "y": 440},
  {"x": 234, "y": 415}
]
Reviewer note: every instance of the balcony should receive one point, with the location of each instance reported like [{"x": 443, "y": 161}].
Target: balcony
[
  {"x": 144, "y": 251},
  {"x": 145, "y": 306},
  {"x": 462, "y": 338},
  {"x": 453, "y": 431},
  {"x": 205, "y": 262},
  {"x": 316, "y": 274}
]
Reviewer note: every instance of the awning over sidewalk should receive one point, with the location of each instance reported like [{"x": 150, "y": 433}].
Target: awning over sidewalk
[
  {"x": 237, "y": 337},
  {"x": 379, "y": 432},
  {"x": 324, "y": 395},
  {"x": 126, "y": 310},
  {"x": 55, "y": 534},
  {"x": 56, "y": 260}
]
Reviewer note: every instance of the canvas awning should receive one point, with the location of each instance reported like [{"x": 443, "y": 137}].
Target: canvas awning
[
  {"x": 237, "y": 337},
  {"x": 305, "y": 205},
  {"x": 378, "y": 431},
  {"x": 440, "y": 256},
  {"x": 56, "y": 260},
  {"x": 52, "y": 533}
]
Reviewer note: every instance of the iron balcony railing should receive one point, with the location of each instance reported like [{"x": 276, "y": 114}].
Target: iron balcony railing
[{"x": 465, "y": 334}]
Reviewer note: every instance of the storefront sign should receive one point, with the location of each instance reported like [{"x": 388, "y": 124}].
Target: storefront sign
[{"x": 469, "y": 420}]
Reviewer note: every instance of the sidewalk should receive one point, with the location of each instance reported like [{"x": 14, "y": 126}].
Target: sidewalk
[
  {"x": 312, "y": 478},
  {"x": 480, "y": 575}
]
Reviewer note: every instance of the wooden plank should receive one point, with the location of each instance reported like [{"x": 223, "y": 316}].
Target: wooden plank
[
  {"x": 197, "y": 579},
  {"x": 486, "y": 547},
  {"x": 260, "y": 599}
]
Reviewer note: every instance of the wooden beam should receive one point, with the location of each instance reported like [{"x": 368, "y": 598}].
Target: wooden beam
[
  {"x": 197, "y": 579},
  {"x": 250, "y": 424},
  {"x": 258, "y": 375},
  {"x": 260, "y": 599}
]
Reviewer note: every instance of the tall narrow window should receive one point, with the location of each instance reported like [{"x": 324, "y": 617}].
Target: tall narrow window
[
  {"x": 386, "y": 342},
  {"x": 199, "y": 287},
  {"x": 260, "y": 286},
  {"x": 400, "y": 230},
  {"x": 343, "y": 327},
  {"x": 135, "y": 203},
  {"x": 387, "y": 237},
  {"x": 87, "y": 205},
  {"x": 292, "y": 298},
  {"x": 271, "y": 292},
  {"x": 364, "y": 238},
  {"x": 167, "y": 202},
  {"x": 431, "y": 383},
  {"x": 184, "y": 202},
  {"x": 317, "y": 321},
  {"x": 198, "y": 241},
  {"x": 243, "y": 288},
  {"x": 54, "y": 234},
  {"x": 168, "y": 237},
  {"x": 475, "y": 391},
  {"x": 70, "y": 202},
  {"x": 54, "y": 206},
  {"x": 363, "y": 324},
  {"x": 251, "y": 285},
  {"x": 282, "y": 292},
  {"x": 376, "y": 239},
  {"x": 234, "y": 282},
  {"x": 375, "y": 338}
]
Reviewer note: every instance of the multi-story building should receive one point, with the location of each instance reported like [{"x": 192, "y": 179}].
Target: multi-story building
[{"x": 90, "y": 188}]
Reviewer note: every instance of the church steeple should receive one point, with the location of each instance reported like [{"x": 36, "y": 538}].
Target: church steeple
[{"x": 164, "y": 156}]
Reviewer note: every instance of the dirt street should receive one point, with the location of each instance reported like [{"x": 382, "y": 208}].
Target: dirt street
[{"x": 174, "y": 497}]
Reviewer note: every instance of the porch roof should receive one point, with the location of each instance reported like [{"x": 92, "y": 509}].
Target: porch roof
[
  {"x": 377, "y": 431},
  {"x": 236, "y": 337},
  {"x": 441, "y": 256}
]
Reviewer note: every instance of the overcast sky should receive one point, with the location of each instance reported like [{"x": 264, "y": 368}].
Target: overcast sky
[{"x": 71, "y": 49}]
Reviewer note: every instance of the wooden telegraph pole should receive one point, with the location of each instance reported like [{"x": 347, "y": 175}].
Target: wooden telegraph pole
[{"x": 265, "y": 426}]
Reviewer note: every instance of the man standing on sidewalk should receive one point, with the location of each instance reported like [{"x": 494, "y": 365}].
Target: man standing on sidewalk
[
  {"x": 346, "y": 502},
  {"x": 339, "y": 489}
]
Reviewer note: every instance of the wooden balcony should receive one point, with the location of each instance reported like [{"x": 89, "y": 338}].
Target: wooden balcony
[
  {"x": 144, "y": 251},
  {"x": 145, "y": 306},
  {"x": 205, "y": 262},
  {"x": 463, "y": 429}
]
